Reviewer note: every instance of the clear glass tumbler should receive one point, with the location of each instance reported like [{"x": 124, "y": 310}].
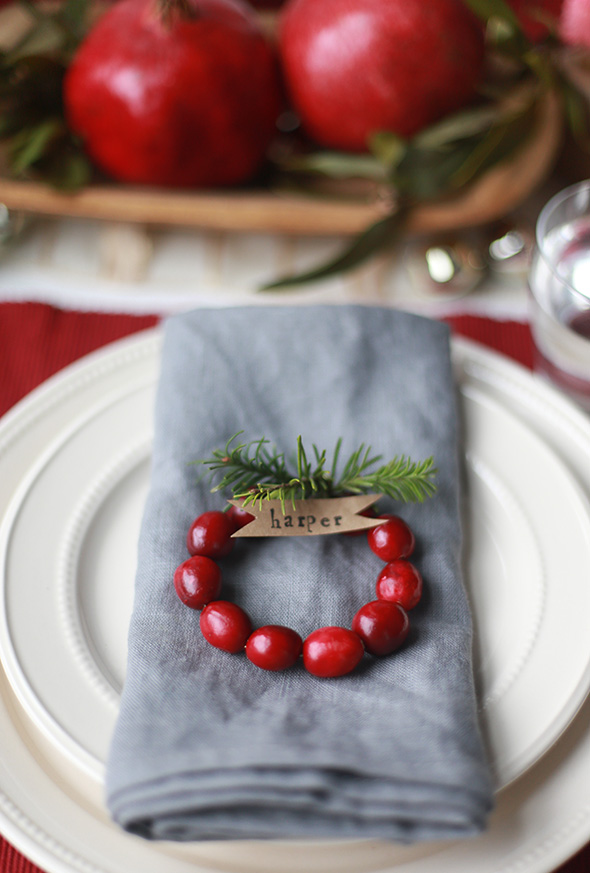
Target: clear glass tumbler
[{"x": 559, "y": 284}]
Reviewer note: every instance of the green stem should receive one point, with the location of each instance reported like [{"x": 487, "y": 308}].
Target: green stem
[{"x": 378, "y": 237}]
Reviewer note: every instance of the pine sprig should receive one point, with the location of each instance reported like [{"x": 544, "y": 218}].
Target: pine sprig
[
  {"x": 254, "y": 473},
  {"x": 401, "y": 478},
  {"x": 245, "y": 465}
]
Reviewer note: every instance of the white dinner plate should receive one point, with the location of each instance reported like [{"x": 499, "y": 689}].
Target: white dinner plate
[
  {"x": 76, "y": 458},
  {"x": 63, "y": 635}
]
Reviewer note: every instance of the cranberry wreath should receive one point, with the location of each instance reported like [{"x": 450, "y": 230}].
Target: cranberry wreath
[{"x": 379, "y": 627}]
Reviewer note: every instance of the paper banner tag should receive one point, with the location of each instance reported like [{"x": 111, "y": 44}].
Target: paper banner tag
[{"x": 304, "y": 518}]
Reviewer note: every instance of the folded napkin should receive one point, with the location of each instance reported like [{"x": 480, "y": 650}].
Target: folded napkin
[{"x": 208, "y": 746}]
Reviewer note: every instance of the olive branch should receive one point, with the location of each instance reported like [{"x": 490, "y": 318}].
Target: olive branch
[{"x": 255, "y": 472}]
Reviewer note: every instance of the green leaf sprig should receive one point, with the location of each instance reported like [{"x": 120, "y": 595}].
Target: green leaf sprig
[
  {"x": 254, "y": 472},
  {"x": 33, "y": 129},
  {"x": 438, "y": 162}
]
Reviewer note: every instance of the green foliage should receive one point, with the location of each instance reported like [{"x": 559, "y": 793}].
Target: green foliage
[
  {"x": 377, "y": 237},
  {"x": 253, "y": 472},
  {"x": 401, "y": 478},
  {"x": 33, "y": 129}
]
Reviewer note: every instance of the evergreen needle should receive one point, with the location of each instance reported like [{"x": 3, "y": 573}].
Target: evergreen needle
[{"x": 254, "y": 472}]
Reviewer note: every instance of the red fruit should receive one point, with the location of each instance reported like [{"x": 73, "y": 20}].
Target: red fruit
[
  {"x": 210, "y": 535},
  {"x": 354, "y": 67},
  {"x": 238, "y": 516},
  {"x": 332, "y": 651},
  {"x": 538, "y": 18},
  {"x": 392, "y": 539},
  {"x": 382, "y": 626},
  {"x": 274, "y": 647},
  {"x": 183, "y": 98},
  {"x": 400, "y": 582},
  {"x": 197, "y": 581},
  {"x": 575, "y": 23},
  {"x": 225, "y": 625}
]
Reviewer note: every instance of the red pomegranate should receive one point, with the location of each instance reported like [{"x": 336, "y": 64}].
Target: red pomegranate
[
  {"x": 175, "y": 92},
  {"x": 354, "y": 67}
]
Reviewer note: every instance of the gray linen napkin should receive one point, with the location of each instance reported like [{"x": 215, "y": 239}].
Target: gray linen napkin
[{"x": 208, "y": 746}]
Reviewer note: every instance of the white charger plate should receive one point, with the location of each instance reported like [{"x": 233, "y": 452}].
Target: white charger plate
[{"x": 63, "y": 641}]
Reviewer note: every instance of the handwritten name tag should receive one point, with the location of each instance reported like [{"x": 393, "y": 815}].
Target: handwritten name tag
[{"x": 312, "y": 517}]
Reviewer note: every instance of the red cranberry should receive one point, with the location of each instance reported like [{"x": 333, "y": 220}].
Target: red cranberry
[
  {"x": 210, "y": 535},
  {"x": 400, "y": 582},
  {"x": 392, "y": 539},
  {"x": 382, "y": 626},
  {"x": 225, "y": 625},
  {"x": 197, "y": 581},
  {"x": 332, "y": 651},
  {"x": 239, "y": 517},
  {"x": 274, "y": 647}
]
